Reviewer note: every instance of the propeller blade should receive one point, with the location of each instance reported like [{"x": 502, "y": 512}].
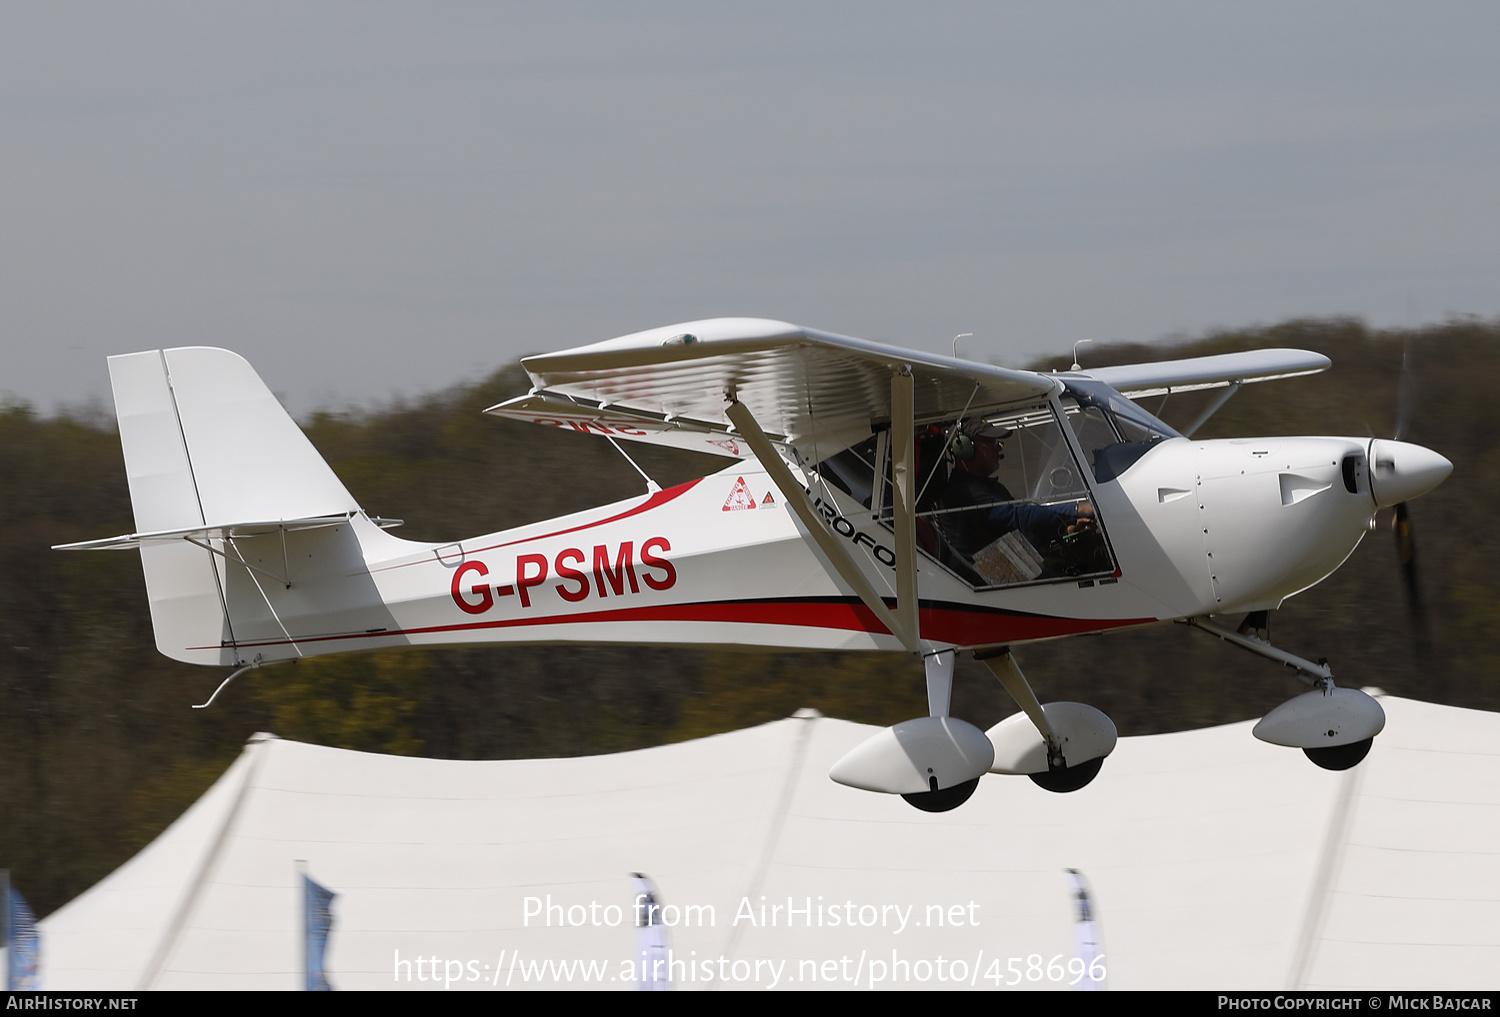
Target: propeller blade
[
  {"x": 1418, "y": 471},
  {"x": 1406, "y": 394},
  {"x": 1406, "y": 550}
]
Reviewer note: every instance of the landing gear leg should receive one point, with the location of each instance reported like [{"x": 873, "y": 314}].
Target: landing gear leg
[
  {"x": 1059, "y": 776},
  {"x": 1319, "y": 674}
]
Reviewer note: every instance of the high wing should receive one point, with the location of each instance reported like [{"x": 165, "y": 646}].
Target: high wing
[
  {"x": 814, "y": 390},
  {"x": 810, "y": 389},
  {"x": 1194, "y": 373}
]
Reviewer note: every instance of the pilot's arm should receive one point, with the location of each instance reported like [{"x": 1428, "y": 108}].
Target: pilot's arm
[{"x": 1040, "y": 523}]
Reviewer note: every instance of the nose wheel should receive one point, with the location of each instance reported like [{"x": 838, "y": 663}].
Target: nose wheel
[{"x": 1340, "y": 757}]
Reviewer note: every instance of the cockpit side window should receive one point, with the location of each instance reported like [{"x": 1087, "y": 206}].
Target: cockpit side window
[{"x": 1000, "y": 498}]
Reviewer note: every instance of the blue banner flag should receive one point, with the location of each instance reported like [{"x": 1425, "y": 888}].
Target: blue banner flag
[
  {"x": 653, "y": 954},
  {"x": 317, "y": 911},
  {"x": 23, "y": 952},
  {"x": 1087, "y": 969}
]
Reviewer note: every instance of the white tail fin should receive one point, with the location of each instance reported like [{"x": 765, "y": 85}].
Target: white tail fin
[
  {"x": 208, "y": 446},
  {"x": 238, "y": 456}
]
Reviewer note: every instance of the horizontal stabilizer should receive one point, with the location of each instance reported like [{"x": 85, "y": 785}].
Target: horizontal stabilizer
[{"x": 130, "y": 541}]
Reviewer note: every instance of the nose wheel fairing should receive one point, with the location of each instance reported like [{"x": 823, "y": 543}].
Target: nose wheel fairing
[{"x": 1326, "y": 718}]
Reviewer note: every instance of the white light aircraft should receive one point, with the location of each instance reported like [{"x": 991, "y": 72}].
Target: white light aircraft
[{"x": 874, "y": 499}]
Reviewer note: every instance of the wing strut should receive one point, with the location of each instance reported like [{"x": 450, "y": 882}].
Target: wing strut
[
  {"x": 904, "y": 484},
  {"x": 1213, "y": 407},
  {"x": 838, "y": 555}
]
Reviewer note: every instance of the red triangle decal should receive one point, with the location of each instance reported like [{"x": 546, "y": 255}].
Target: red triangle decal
[{"x": 739, "y": 497}]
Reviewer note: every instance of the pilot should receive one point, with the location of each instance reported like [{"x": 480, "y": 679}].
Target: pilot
[{"x": 977, "y": 450}]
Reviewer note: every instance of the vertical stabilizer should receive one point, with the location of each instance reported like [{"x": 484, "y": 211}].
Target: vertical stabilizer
[
  {"x": 206, "y": 444},
  {"x": 249, "y": 459}
]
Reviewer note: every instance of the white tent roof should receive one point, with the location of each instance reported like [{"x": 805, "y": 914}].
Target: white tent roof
[{"x": 1216, "y": 861}]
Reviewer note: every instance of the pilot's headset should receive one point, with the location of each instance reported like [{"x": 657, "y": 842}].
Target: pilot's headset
[{"x": 962, "y": 446}]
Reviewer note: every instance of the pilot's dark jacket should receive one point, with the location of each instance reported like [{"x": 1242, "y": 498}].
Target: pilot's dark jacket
[{"x": 972, "y": 530}]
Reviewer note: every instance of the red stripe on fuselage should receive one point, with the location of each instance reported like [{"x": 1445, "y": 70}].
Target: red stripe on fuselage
[{"x": 959, "y": 626}]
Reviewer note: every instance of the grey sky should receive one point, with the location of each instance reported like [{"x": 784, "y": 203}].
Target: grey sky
[{"x": 369, "y": 199}]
